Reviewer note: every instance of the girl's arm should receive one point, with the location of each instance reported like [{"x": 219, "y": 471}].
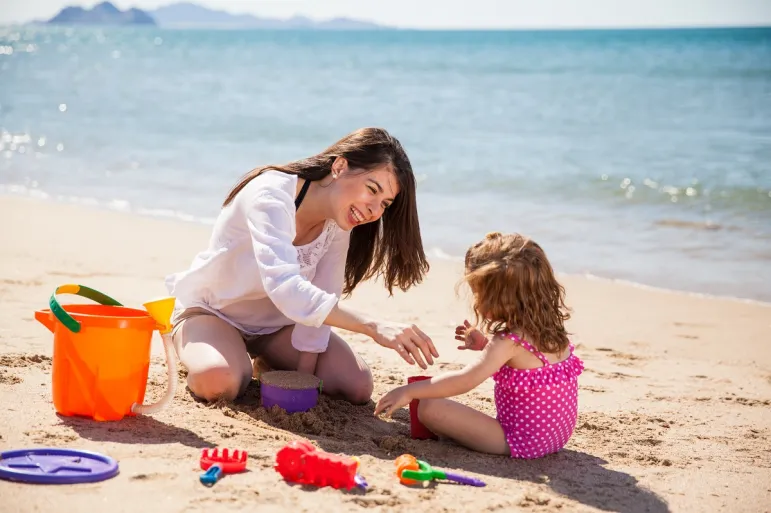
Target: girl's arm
[{"x": 493, "y": 357}]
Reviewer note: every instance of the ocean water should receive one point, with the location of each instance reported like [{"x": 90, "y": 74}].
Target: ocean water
[{"x": 634, "y": 155}]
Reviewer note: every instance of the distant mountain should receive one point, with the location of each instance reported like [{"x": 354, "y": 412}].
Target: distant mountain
[
  {"x": 101, "y": 14},
  {"x": 189, "y": 15},
  {"x": 194, "y": 16}
]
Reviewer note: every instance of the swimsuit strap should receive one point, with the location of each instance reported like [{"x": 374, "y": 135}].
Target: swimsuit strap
[
  {"x": 301, "y": 196},
  {"x": 527, "y": 345}
]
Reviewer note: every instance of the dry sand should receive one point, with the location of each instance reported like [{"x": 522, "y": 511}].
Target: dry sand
[
  {"x": 674, "y": 402},
  {"x": 289, "y": 380}
]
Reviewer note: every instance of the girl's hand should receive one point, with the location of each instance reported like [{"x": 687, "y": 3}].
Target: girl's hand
[
  {"x": 471, "y": 337},
  {"x": 393, "y": 400},
  {"x": 407, "y": 340}
]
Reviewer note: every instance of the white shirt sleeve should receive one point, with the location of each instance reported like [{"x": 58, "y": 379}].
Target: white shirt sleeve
[
  {"x": 330, "y": 275},
  {"x": 269, "y": 213}
]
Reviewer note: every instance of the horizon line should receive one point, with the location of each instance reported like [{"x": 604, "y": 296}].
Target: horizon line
[{"x": 541, "y": 28}]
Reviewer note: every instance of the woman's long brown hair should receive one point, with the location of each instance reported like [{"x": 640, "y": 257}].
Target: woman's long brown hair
[{"x": 391, "y": 247}]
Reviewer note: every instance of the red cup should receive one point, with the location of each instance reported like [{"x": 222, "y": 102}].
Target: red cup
[{"x": 417, "y": 430}]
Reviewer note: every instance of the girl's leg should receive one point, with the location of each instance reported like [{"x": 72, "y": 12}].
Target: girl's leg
[
  {"x": 213, "y": 351},
  {"x": 465, "y": 425},
  {"x": 343, "y": 373}
]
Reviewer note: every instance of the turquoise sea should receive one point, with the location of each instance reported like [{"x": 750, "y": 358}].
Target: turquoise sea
[{"x": 642, "y": 156}]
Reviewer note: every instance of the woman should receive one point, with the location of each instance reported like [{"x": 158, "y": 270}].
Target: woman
[{"x": 288, "y": 242}]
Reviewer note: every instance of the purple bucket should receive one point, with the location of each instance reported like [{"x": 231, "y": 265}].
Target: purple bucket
[{"x": 290, "y": 399}]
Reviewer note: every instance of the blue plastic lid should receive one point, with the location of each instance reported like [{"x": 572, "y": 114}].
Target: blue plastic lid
[{"x": 56, "y": 466}]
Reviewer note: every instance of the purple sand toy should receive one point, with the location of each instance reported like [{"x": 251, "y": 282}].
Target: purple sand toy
[
  {"x": 294, "y": 392},
  {"x": 360, "y": 482},
  {"x": 56, "y": 466}
]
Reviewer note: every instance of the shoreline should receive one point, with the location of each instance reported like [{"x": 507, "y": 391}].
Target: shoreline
[{"x": 433, "y": 254}]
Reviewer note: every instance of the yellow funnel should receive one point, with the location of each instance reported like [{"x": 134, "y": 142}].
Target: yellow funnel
[{"x": 160, "y": 310}]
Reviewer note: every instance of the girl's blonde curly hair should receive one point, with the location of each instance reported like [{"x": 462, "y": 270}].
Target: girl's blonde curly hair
[{"x": 515, "y": 290}]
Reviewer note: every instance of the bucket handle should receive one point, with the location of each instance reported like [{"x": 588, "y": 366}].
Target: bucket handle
[{"x": 78, "y": 290}]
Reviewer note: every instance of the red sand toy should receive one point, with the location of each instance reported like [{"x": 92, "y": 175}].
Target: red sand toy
[
  {"x": 221, "y": 461},
  {"x": 418, "y": 431},
  {"x": 300, "y": 462}
]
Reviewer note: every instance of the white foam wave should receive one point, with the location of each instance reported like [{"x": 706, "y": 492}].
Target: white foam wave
[
  {"x": 118, "y": 205},
  {"x": 643, "y": 286}
]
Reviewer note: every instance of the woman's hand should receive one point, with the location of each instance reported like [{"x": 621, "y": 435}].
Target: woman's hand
[
  {"x": 412, "y": 344},
  {"x": 471, "y": 337},
  {"x": 393, "y": 400},
  {"x": 407, "y": 340}
]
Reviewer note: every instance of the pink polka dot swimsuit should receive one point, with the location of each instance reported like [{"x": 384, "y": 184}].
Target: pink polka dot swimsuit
[{"x": 537, "y": 408}]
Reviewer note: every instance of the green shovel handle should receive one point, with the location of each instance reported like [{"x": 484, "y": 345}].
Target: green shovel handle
[
  {"x": 425, "y": 473},
  {"x": 78, "y": 290}
]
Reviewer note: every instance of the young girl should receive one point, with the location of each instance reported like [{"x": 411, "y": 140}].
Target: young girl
[{"x": 521, "y": 305}]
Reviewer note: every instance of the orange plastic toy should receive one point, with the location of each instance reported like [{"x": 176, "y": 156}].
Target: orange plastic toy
[
  {"x": 406, "y": 462},
  {"x": 101, "y": 354}
]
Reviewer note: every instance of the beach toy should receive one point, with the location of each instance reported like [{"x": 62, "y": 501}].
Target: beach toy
[
  {"x": 292, "y": 391},
  {"x": 56, "y": 466},
  {"x": 300, "y": 462},
  {"x": 101, "y": 354},
  {"x": 221, "y": 461},
  {"x": 417, "y": 430},
  {"x": 410, "y": 470}
]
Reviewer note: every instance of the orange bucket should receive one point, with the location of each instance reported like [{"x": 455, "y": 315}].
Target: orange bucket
[{"x": 101, "y": 355}]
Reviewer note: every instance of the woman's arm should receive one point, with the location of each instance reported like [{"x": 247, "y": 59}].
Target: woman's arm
[
  {"x": 329, "y": 277},
  {"x": 330, "y": 274},
  {"x": 269, "y": 216},
  {"x": 407, "y": 340}
]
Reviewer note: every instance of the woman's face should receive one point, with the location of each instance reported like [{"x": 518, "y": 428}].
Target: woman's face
[{"x": 360, "y": 198}]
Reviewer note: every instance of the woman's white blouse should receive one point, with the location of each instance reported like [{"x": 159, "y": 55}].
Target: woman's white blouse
[{"x": 253, "y": 277}]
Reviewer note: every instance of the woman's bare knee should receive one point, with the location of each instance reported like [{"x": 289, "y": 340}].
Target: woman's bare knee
[
  {"x": 355, "y": 386},
  {"x": 358, "y": 387},
  {"x": 215, "y": 357},
  {"x": 215, "y": 383},
  {"x": 344, "y": 374}
]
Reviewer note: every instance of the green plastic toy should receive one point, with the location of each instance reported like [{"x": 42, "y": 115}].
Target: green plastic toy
[{"x": 407, "y": 472}]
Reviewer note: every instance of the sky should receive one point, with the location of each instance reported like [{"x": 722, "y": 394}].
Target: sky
[{"x": 454, "y": 14}]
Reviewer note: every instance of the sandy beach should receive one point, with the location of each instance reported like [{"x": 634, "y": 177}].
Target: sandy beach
[{"x": 673, "y": 406}]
